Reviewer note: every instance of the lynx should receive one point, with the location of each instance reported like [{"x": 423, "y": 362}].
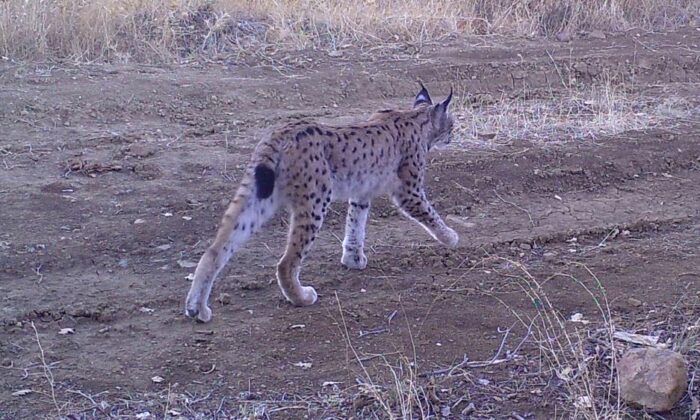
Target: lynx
[{"x": 304, "y": 166}]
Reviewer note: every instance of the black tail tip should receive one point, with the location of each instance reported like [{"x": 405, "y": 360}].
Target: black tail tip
[{"x": 264, "y": 181}]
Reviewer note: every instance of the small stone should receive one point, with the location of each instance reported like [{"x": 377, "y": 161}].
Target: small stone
[
  {"x": 186, "y": 263},
  {"x": 655, "y": 379},
  {"x": 634, "y": 302},
  {"x": 224, "y": 298},
  {"x": 140, "y": 151},
  {"x": 525, "y": 247},
  {"x": 597, "y": 34},
  {"x": 564, "y": 36}
]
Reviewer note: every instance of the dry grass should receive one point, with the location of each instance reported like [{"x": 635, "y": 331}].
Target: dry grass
[
  {"x": 165, "y": 30},
  {"x": 591, "y": 112},
  {"x": 581, "y": 354}
]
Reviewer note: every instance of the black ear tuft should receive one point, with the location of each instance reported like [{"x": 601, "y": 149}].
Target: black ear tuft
[
  {"x": 441, "y": 108},
  {"x": 447, "y": 101},
  {"x": 423, "y": 96}
]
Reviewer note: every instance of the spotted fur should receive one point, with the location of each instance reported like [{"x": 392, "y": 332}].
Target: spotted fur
[{"x": 303, "y": 166}]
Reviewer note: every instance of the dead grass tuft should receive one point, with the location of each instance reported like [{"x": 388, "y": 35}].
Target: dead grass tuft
[
  {"x": 601, "y": 110},
  {"x": 580, "y": 353},
  {"x": 166, "y": 30}
]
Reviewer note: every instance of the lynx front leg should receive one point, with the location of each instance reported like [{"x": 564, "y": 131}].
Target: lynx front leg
[
  {"x": 415, "y": 205},
  {"x": 354, "y": 242}
]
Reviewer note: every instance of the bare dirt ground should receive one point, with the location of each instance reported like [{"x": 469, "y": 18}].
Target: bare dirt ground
[{"x": 113, "y": 179}]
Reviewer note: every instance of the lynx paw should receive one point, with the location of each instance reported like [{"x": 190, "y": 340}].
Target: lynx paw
[
  {"x": 198, "y": 310},
  {"x": 354, "y": 260},
  {"x": 308, "y": 297},
  {"x": 449, "y": 237}
]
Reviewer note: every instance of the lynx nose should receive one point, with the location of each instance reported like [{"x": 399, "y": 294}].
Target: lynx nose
[{"x": 192, "y": 312}]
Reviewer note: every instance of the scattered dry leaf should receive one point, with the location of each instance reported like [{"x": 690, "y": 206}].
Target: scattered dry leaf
[
  {"x": 578, "y": 317},
  {"x": 303, "y": 365},
  {"x": 22, "y": 392}
]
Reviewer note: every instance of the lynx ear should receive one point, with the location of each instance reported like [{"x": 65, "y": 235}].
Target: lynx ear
[
  {"x": 423, "y": 96},
  {"x": 441, "y": 108},
  {"x": 439, "y": 111}
]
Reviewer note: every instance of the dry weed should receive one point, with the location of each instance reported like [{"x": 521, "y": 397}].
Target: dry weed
[
  {"x": 601, "y": 110},
  {"x": 579, "y": 352},
  {"x": 165, "y": 30}
]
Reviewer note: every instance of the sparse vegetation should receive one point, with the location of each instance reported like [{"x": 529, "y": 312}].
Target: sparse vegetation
[
  {"x": 167, "y": 30},
  {"x": 581, "y": 353},
  {"x": 574, "y": 113}
]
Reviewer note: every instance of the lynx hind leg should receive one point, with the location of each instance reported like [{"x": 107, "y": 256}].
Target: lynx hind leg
[
  {"x": 243, "y": 218},
  {"x": 416, "y": 206},
  {"x": 306, "y": 221},
  {"x": 354, "y": 242}
]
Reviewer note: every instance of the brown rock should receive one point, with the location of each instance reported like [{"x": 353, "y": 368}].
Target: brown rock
[{"x": 654, "y": 378}]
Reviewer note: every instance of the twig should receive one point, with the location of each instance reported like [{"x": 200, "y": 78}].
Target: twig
[
  {"x": 561, "y": 77},
  {"x": 390, "y": 317},
  {"x": 357, "y": 356},
  {"x": 221, "y": 405},
  {"x": 86, "y": 396},
  {"x": 37, "y": 271},
  {"x": 448, "y": 370},
  {"x": 198, "y": 400},
  {"x": 375, "y": 331},
  {"x": 375, "y": 356},
  {"x": 614, "y": 232},
  {"x": 291, "y": 407},
  {"x": 503, "y": 342},
  {"x": 644, "y": 45},
  {"x": 532, "y": 222},
  {"x": 47, "y": 370}
]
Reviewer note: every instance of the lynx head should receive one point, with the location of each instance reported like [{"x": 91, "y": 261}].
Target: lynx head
[{"x": 441, "y": 121}]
